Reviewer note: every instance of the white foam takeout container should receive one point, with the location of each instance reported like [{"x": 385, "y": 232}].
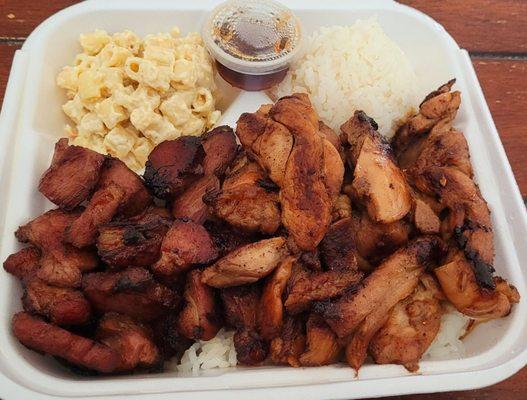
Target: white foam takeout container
[{"x": 32, "y": 121}]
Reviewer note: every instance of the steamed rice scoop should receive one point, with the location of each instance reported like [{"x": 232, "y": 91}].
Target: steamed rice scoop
[{"x": 357, "y": 67}]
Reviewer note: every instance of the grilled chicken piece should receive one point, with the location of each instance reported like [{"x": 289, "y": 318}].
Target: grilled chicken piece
[
  {"x": 469, "y": 220},
  {"x": 133, "y": 242},
  {"x": 378, "y": 182},
  {"x": 23, "y": 264},
  {"x": 130, "y": 339},
  {"x": 185, "y": 245},
  {"x": 392, "y": 281},
  {"x": 271, "y": 307},
  {"x": 61, "y": 264},
  {"x": 307, "y": 287},
  {"x": 241, "y": 305},
  {"x": 225, "y": 238},
  {"x": 443, "y": 147},
  {"x": 245, "y": 202},
  {"x": 322, "y": 347},
  {"x": 190, "y": 205},
  {"x": 100, "y": 210},
  {"x": 220, "y": 150},
  {"x": 313, "y": 174},
  {"x": 132, "y": 292},
  {"x": 173, "y": 165},
  {"x": 375, "y": 241},
  {"x": 440, "y": 105},
  {"x": 47, "y": 338},
  {"x": 62, "y": 306},
  {"x": 247, "y": 264},
  {"x": 425, "y": 219},
  {"x": 269, "y": 143},
  {"x": 411, "y": 327},
  {"x": 311, "y": 260},
  {"x": 337, "y": 249},
  {"x": 341, "y": 208},
  {"x": 461, "y": 288},
  {"x": 136, "y": 196},
  {"x": 198, "y": 319},
  {"x": 288, "y": 347},
  {"x": 330, "y": 135},
  {"x": 72, "y": 176}
]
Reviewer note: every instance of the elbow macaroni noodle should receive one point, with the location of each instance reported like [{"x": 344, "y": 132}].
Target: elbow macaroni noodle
[{"x": 126, "y": 95}]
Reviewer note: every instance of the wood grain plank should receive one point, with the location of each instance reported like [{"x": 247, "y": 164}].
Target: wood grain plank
[
  {"x": 498, "y": 26},
  {"x": 6, "y": 55},
  {"x": 505, "y": 89},
  {"x": 18, "y": 18}
]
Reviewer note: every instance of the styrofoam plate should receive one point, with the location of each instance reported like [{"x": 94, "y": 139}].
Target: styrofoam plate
[{"x": 32, "y": 120}]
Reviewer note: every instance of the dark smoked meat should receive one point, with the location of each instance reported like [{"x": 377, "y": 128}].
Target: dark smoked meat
[
  {"x": 190, "y": 205},
  {"x": 337, "y": 249},
  {"x": 288, "y": 347},
  {"x": 102, "y": 207},
  {"x": 132, "y": 292},
  {"x": 224, "y": 237},
  {"x": 199, "y": 319},
  {"x": 72, "y": 176},
  {"x": 133, "y": 242},
  {"x": 61, "y": 263},
  {"x": 185, "y": 245},
  {"x": 23, "y": 264},
  {"x": 62, "y": 306},
  {"x": 250, "y": 348},
  {"x": 132, "y": 340},
  {"x": 220, "y": 150},
  {"x": 169, "y": 341},
  {"x": 136, "y": 196},
  {"x": 47, "y": 338},
  {"x": 173, "y": 165}
]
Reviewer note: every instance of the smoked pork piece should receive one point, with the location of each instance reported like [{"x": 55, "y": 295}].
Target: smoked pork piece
[
  {"x": 132, "y": 292},
  {"x": 271, "y": 308},
  {"x": 133, "y": 242},
  {"x": 425, "y": 219},
  {"x": 462, "y": 289},
  {"x": 220, "y": 150},
  {"x": 62, "y": 306},
  {"x": 247, "y": 264},
  {"x": 313, "y": 175},
  {"x": 169, "y": 341},
  {"x": 411, "y": 327},
  {"x": 240, "y": 305},
  {"x": 61, "y": 264},
  {"x": 378, "y": 183},
  {"x": 287, "y": 348},
  {"x": 199, "y": 319},
  {"x": 173, "y": 165},
  {"x": 47, "y": 338},
  {"x": 322, "y": 346},
  {"x": 245, "y": 202},
  {"x": 102, "y": 207},
  {"x": 440, "y": 105},
  {"x": 130, "y": 339},
  {"x": 190, "y": 205},
  {"x": 267, "y": 141},
  {"x": 186, "y": 244},
  {"x": 136, "y": 196},
  {"x": 72, "y": 176},
  {"x": 23, "y": 264}
]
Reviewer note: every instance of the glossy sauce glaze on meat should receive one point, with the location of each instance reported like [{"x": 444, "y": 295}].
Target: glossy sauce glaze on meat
[{"x": 314, "y": 247}]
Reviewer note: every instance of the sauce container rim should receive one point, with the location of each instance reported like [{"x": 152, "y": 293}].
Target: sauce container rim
[{"x": 246, "y": 66}]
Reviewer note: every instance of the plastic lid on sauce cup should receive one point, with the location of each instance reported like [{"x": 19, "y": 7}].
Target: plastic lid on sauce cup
[{"x": 254, "y": 37}]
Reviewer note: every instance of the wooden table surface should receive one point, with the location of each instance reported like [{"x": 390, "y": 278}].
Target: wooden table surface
[{"x": 493, "y": 31}]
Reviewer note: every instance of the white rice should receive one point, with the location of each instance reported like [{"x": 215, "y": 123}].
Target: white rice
[
  {"x": 447, "y": 344},
  {"x": 358, "y": 67},
  {"x": 219, "y": 352}
]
